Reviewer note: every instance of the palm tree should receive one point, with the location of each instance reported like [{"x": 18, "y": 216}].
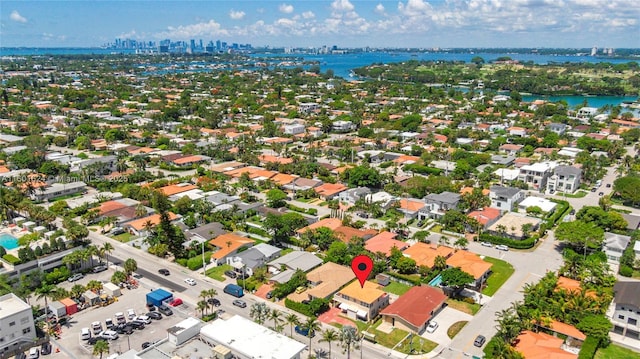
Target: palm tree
[
  {"x": 202, "y": 306},
  {"x": 329, "y": 336},
  {"x": 276, "y": 316},
  {"x": 440, "y": 262},
  {"x": 312, "y": 325},
  {"x": 106, "y": 249},
  {"x": 259, "y": 312},
  {"x": 45, "y": 292},
  {"x": 94, "y": 285},
  {"x": 101, "y": 347},
  {"x": 130, "y": 266},
  {"x": 77, "y": 290},
  {"x": 348, "y": 339},
  {"x": 292, "y": 320}
]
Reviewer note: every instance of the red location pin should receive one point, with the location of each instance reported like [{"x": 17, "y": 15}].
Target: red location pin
[{"x": 362, "y": 266}]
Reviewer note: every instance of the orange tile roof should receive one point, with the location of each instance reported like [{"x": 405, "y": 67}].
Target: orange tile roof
[
  {"x": 566, "y": 329},
  {"x": 367, "y": 294},
  {"x": 275, "y": 159},
  {"x": 228, "y": 243},
  {"x": 411, "y": 204},
  {"x": 330, "y": 189},
  {"x": 470, "y": 263},
  {"x": 425, "y": 254},
  {"x": 416, "y": 305},
  {"x": 187, "y": 159},
  {"x": 572, "y": 285},
  {"x": 345, "y": 233},
  {"x": 262, "y": 173},
  {"x": 282, "y": 179},
  {"x": 331, "y": 223},
  {"x": 4, "y": 169},
  {"x": 170, "y": 190},
  {"x": 384, "y": 242},
  {"x": 140, "y": 223},
  {"x": 109, "y": 206},
  {"x": 541, "y": 346},
  {"x": 485, "y": 216},
  {"x": 469, "y": 190}
]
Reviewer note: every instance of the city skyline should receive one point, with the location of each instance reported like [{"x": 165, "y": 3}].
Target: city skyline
[{"x": 345, "y": 23}]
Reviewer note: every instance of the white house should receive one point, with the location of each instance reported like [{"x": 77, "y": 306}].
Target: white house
[
  {"x": 16, "y": 323},
  {"x": 505, "y": 198},
  {"x": 293, "y": 129},
  {"x": 544, "y": 204},
  {"x": 626, "y": 314}
]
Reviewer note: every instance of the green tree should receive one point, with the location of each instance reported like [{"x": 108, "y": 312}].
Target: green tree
[
  {"x": 284, "y": 226},
  {"x": 362, "y": 176},
  {"x": 580, "y": 235},
  {"x": 118, "y": 277},
  {"x": 329, "y": 336},
  {"x": 292, "y": 320},
  {"x": 628, "y": 188},
  {"x": 349, "y": 339},
  {"x": 455, "y": 279},
  {"x": 312, "y": 325},
  {"x": 597, "y": 326},
  {"x": 101, "y": 347},
  {"x": 406, "y": 265},
  {"x": 130, "y": 266},
  {"x": 259, "y": 312},
  {"x": 276, "y": 198}
]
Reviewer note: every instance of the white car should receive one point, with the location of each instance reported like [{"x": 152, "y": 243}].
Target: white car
[
  {"x": 143, "y": 318},
  {"x": 131, "y": 314},
  {"x": 502, "y": 247},
  {"x": 432, "y": 327},
  {"x": 109, "y": 334},
  {"x": 190, "y": 281},
  {"x": 486, "y": 244}
]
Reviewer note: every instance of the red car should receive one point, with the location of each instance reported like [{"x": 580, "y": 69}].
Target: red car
[{"x": 176, "y": 302}]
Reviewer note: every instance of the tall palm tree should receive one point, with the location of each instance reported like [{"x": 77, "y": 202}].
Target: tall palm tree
[
  {"x": 130, "y": 266},
  {"x": 329, "y": 336},
  {"x": 292, "y": 320},
  {"x": 259, "y": 312},
  {"x": 46, "y": 292},
  {"x": 77, "y": 290},
  {"x": 312, "y": 325},
  {"x": 101, "y": 347},
  {"x": 106, "y": 249},
  {"x": 202, "y": 306},
  {"x": 276, "y": 316},
  {"x": 348, "y": 339}
]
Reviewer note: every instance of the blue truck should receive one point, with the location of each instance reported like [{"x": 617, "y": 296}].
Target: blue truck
[
  {"x": 158, "y": 296},
  {"x": 234, "y": 289}
]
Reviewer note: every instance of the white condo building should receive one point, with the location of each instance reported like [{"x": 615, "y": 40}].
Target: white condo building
[{"x": 16, "y": 323}]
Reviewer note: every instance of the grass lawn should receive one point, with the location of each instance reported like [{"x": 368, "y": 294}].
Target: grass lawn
[
  {"x": 417, "y": 346},
  {"x": 578, "y": 194},
  {"x": 217, "y": 273},
  {"x": 437, "y": 228},
  {"x": 123, "y": 237},
  {"x": 388, "y": 340},
  {"x": 455, "y": 328},
  {"x": 397, "y": 288},
  {"x": 616, "y": 352},
  {"x": 501, "y": 272},
  {"x": 463, "y": 306}
]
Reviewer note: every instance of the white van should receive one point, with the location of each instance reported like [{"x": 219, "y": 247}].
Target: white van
[
  {"x": 97, "y": 327},
  {"x": 85, "y": 334}
]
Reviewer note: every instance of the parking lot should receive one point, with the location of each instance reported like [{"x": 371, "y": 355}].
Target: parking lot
[{"x": 131, "y": 299}]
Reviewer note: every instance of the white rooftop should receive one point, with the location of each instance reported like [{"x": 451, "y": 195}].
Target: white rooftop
[
  {"x": 251, "y": 340},
  {"x": 540, "y": 166},
  {"x": 10, "y": 304},
  {"x": 507, "y": 174},
  {"x": 544, "y": 204}
]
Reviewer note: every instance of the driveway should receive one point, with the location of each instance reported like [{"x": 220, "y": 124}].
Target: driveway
[{"x": 445, "y": 319}]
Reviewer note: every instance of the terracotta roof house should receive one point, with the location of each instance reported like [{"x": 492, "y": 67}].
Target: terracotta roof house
[
  {"x": 410, "y": 207},
  {"x": 331, "y": 223},
  {"x": 572, "y": 285},
  {"x": 327, "y": 279},
  {"x": 472, "y": 264},
  {"x": 282, "y": 179},
  {"x": 541, "y": 346},
  {"x": 228, "y": 244},
  {"x": 346, "y": 233},
  {"x": 170, "y": 190},
  {"x": 384, "y": 242},
  {"x": 486, "y": 216},
  {"x": 425, "y": 254},
  {"x": 138, "y": 226},
  {"x": 264, "y": 159},
  {"x": 413, "y": 310},
  {"x": 362, "y": 303},
  {"x": 328, "y": 191}
]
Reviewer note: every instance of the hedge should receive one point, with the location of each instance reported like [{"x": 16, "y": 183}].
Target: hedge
[
  {"x": 314, "y": 308},
  {"x": 248, "y": 284},
  {"x": 424, "y": 170},
  {"x": 301, "y": 308},
  {"x": 589, "y": 348},
  {"x": 411, "y": 278},
  {"x": 512, "y": 243},
  {"x": 13, "y": 260},
  {"x": 561, "y": 210}
]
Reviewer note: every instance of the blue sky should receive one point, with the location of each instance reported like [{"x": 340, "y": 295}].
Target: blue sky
[{"x": 345, "y": 23}]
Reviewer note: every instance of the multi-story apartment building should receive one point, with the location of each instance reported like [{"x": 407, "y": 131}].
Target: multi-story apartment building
[
  {"x": 505, "y": 198},
  {"x": 16, "y": 323},
  {"x": 626, "y": 314},
  {"x": 564, "y": 179},
  {"x": 537, "y": 174}
]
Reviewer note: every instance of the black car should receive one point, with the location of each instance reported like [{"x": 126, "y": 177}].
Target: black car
[
  {"x": 480, "y": 339},
  {"x": 136, "y": 324},
  {"x": 94, "y": 340},
  {"x": 45, "y": 348},
  {"x": 608, "y": 185},
  {"x": 21, "y": 355},
  {"x": 124, "y": 329},
  {"x": 164, "y": 271},
  {"x": 154, "y": 315},
  {"x": 145, "y": 345},
  {"x": 213, "y": 301},
  {"x": 270, "y": 294},
  {"x": 151, "y": 307},
  {"x": 231, "y": 274}
]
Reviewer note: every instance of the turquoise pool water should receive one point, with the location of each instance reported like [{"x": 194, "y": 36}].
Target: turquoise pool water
[
  {"x": 435, "y": 282},
  {"x": 8, "y": 241}
]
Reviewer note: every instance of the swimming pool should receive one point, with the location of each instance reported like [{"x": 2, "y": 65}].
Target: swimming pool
[
  {"x": 435, "y": 282},
  {"x": 8, "y": 241}
]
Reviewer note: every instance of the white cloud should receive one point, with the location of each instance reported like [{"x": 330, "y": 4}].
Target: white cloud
[
  {"x": 210, "y": 28},
  {"x": 308, "y": 15},
  {"x": 285, "y": 9},
  {"x": 342, "y": 5},
  {"x": 379, "y": 9},
  {"x": 236, "y": 15},
  {"x": 15, "y": 16}
]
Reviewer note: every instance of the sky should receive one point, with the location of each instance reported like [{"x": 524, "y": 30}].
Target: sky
[{"x": 343, "y": 23}]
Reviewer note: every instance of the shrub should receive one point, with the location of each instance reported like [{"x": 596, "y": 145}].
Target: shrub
[
  {"x": 182, "y": 261},
  {"x": 298, "y": 307},
  {"x": 248, "y": 284},
  {"x": 561, "y": 210},
  {"x": 589, "y": 348},
  {"x": 523, "y": 244},
  {"x": 625, "y": 271},
  {"x": 413, "y": 279},
  {"x": 312, "y": 211},
  {"x": 421, "y": 169},
  {"x": 11, "y": 259}
]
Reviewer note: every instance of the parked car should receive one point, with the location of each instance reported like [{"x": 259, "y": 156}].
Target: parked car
[
  {"x": 109, "y": 334},
  {"x": 123, "y": 329},
  {"x": 270, "y": 294},
  {"x": 480, "y": 339},
  {"x": 136, "y": 324},
  {"x": 94, "y": 340},
  {"x": 190, "y": 281},
  {"x": 502, "y": 247},
  {"x": 45, "y": 348},
  {"x": 165, "y": 310},
  {"x": 573, "y": 211},
  {"x": 240, "y": 303},
  {"x": 143, "y": 318},
  {"x": 108, "y": 323},
  {"x": 145, "y": 345},
  {"x": 96, "y": 327},
  {"x": 432, "y": 326},
  {"x": 100, "y": 268},
  {"x": 85, "y": 334},
  {"x": 116, "y": 230},
  {"x": 154, "y": 315},
  {"x": 601, "y": 194},
  {"x": 21, "y": 355},
  {"x": 151, "y": 307},
  {"x": 164, "y": 271},
  {"x": 75, "y": 277},
  {"x": 214, "y": 301},
  {"x": 486, "y": 244},
  {"x": 608, "y": 185},
  {"x": 231, "y": 274},
  {"x": 304, "y": 331},
  {"x": 131, "y": 314},
  {"x": 34, "y": 353},
  {"x": 120, "y": 319},
  {"x": 176, "y": 302},
  {"x": 593, "y": 189}
]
